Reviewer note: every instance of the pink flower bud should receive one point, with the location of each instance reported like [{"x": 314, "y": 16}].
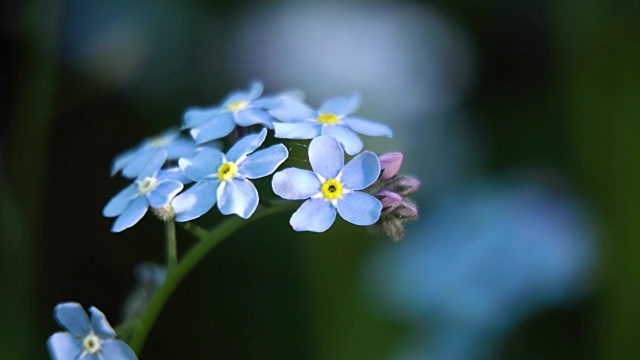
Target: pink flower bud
[
  {"x": 390, "y": 164},
  {"x": 389, "y": 200},
  {"x": 404, "y": 185},
  {"x": 406, "y": 210}
]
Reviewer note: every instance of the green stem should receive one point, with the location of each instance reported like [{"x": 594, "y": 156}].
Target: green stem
[
  {"x": 207, "y": 241},
  {"x": 172, "y": 246}
]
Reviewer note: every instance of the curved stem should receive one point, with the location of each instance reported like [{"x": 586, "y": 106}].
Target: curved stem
[{"x": 207, "y": 241}]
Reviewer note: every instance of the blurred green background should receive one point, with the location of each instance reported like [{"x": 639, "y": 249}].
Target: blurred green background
[{"x": 533, "y": 84}]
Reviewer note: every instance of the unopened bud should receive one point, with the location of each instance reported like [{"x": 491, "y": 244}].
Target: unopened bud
[
  {"x": 406, "y": 210},
  {"x": 404, "y": 185},
  {"x": 389, "y": 200},
  {"x": 390, "y": 164}
]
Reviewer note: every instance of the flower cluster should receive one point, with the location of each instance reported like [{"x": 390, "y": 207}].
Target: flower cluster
[
  {"x": 161, "y": 167},
  {"x": 181, "y": 177}
]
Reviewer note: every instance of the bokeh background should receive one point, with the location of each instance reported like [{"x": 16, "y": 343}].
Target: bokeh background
[{"x": 521, "y": 118}]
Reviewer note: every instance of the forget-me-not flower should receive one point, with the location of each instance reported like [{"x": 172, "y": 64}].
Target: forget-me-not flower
[
  {"x": 224, "y": 178},
  {"x": 330, "y": 187},
  {"x": 243, "y": 108},
  {"x": 85, "y": 339},
  {"x": 151, "y": 188},
  {"x": 333, "y": 118},
  {"x": 133, "y": 160}
]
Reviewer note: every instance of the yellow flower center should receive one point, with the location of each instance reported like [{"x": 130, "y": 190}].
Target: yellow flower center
[
  {"x": 147, "y": 185},
  {"x": 237, "y": 105},
  {"x": 327, "y": 119},
  {"x": 331, "y": 189},
  {"x": 91, "y": 344},
  {"x": 227, "y": 170}
]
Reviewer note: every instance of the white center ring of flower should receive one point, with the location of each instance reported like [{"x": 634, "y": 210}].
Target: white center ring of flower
[
  {"x": 91, "y": 344},
  {"x": 147, "y": 185}
]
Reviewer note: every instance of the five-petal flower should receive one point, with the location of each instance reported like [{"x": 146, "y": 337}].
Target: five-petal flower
[
  {"x": 242, "y": 108},
  {"x": 151, "y": 188},
  {"x": 224, "y": 178},
  {"x": 133, "y": 160},
  {"x": 330, "y": 187},
  {"x": 85, "y": 339},
  {"x": 333, "y": 118}
]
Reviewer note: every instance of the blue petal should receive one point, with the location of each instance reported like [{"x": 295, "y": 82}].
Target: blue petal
[
  {"x": 205, "y": 162},
  {"x": 276, "y": 101},
  {"x": 300, "y": 130},
  {"x": 291, "y": 107},
  {"x": 263, "y": 162},
  {"x": 367, "y": 127},
  {"x": 153, "y": 165},
  {"x": 123, "y": 160},
  {"x": 181, "y": 147},
  {"x": 246, "y": 145},
  {"x": 175, "y": 174},
  {"x": 295, "y": 184},
  {"x": 362, "y": 171},
  {"x": 315, "y": 215},
  {"x": 116, "y": 350},
  {"x": 341, "y": 106},
  {"x": 163, "y": 193},
  {"x": 238, "y": 196},
  {"x": 71, "y": 316},
  {"x": 253, "y": 116},
  {"x": 349, "y": 140},
  {"x": 254, "y": 91},
  {"x": 131, "y": 215},
  {"x": 118, "y": 203},
  {"x": 196, "y": 201},
  {"x": 63, "y": 346},
  {"x": 359, "y": 208},
  {"x": 326, "y": 157},
  {"x": 138, "y": 162},
  {"x": 100, "y": 325},
  {"x": 220, "y": 126},
  {"x": 194, "y": 117}
]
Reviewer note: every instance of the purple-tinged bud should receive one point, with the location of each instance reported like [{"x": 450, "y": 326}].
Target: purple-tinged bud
[
  {"x": 404, "y": 185},
  {"x": 389, "y": 200},
  {"x": 390, "y": 164},
  {"x": 406, "y": 210}
]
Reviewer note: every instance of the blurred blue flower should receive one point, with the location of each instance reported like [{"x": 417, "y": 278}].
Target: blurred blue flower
[
  {"x": 224, "y": 178},
  {"x": 486, "y": 258},
  {"x": 149, "y": 189},
  {"x": 332, "y": 119},
  {"x": 243, "y": 108},
  {"x": 149, "y": 277},
  {"x": 132, "y": 161},
  {"x": 84, "y": 339},
  {"x": 330, "y": 186}
]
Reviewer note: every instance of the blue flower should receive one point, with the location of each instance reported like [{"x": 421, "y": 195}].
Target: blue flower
[
  {"x": 132, "y": 161},
  {"x": 84, "y": 339},
  {"x": 243, "y": 108},
  {"x": 330, "y": 186},
  {"x": 224, "y": 178},
  {"x": 333, "y": 119},
  {"x": 483, "y": 260},
  {"x": 152, "y": 188}
]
